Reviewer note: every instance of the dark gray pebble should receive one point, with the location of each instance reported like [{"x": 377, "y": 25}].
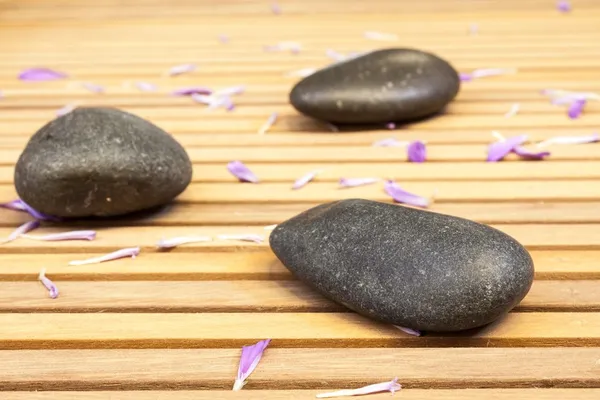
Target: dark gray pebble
[
  {"x": 391, "y": 85},
  {"x": 100, "y": 162},
  {"x": 407, "y": 267}
]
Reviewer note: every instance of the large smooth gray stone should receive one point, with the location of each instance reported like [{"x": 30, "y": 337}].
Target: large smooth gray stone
[
  {"x": 100, "y": 162},
  {"x": 391, "y": 85},
  {"x": 404, "y": 266}
]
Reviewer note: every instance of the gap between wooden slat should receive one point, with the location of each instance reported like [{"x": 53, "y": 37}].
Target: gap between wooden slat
[
  {"x": 255, "y": 265},
  {"x": 240, "y": 296},
  {"x": 295, "y": 369}
]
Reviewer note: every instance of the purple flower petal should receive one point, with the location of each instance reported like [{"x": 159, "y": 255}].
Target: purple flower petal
[
  {"x": 48, "y": 284},
  {"x": 26, "y": 227},
  {"x": 391, "y": 126},
  {"x": 92, "y": 87},
  {"x": 473, "y": 29},
  {"x": 16, "y": 205},
  {"x": 372, "y": 35},
  {"x": 224, "y": 39},
  {"x": 146, "y": 87},
  {"x": 181, "y": 69},
  {"x": 20, "y": 205},
  {"x": 417, "y": 152},
  {"x": 41, "y": 74},
  {"x": 293, "y": 47},
  {"x": 243, "y": 237},
  {"x": 354, "y": 182},
  {"x": 412, "y": 332},
  {"x": 303, "y": 73},
  {"x": 268, "y": 124},
  {"x": 465, "y": 77},
  {"x": 593, "y": 138},
  {"x": 402, "y": 196},
  {"x": 275, "y": 9},
  {"x": 389, "y": 142},
  {"x": 128, "y": 252},
  {"x": 514, "y": 110},
  {"x": 392, "y": 386},
  {"x": 485, "y": 72},
  {"x": 576, "y": 108},
  {"x": 249, "y": 360},
  {"x": 303, "y": 180},
  {"x": 72, "y": 235},
  {"x": 500, "y": 149},
  {"x": 65, "y": 110},
  {"x": 563, "y": 6},
  {"x": 530, "y": 155},
  {"x": 240, "y": 171},
  {"x": 230, "y": 91},
  {"x": 178, "y": 241},
  {"x": 188, "y": 91}
]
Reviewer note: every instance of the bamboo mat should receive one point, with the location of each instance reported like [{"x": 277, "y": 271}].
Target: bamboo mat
[{"x": 171, "y": 325}]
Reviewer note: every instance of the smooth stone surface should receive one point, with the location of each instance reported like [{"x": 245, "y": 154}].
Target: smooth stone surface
[
  {"x": 391, "y": 85},
  {"x": 100, "y": 162},
  {"x": 407, "y": 267}
]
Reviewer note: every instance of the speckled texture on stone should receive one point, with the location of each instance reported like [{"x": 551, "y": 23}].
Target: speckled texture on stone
[
  {"x": 407, "y": 267},
  {"x": 390, "y": 85},
  {"x": 100, "y": 162}
]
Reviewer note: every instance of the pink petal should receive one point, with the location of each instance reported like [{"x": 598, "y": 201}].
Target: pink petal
[
  {"x": 127, "y": 252},
  {"x": 276, "y": 9},
  {"x": 417, "y": 152},
  {"x": 181, "y": 69},
  {"x": 303, "y": 180},
  {"x": 412, "y": 332},
  {"x": 576, "y": 108},
  {"x": 188, "y": 91},
  {"x": 500, "y": 149},
  {"x": 399, "y": 195},
  {"x": 530, "y": 155},
  {"x": 48, "y": 284},
  {"x": 244, "y": 237},
  {"x": 268, "y": 124},
  {"x": 392, "y": 386},
  {"x": 72, "y": 235},
  {"x": 26, "y": 227},
  {"x": 240, "y": 171},
  {"x": 354, "y": 182},
  {"x": 249, "y": 360},
  {"x": 92, "y": 87},
  {"x": 41, "y": 74}
]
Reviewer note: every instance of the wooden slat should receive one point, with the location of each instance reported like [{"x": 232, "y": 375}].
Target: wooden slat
[
  {"x": 298, "y": 369},
  {"x": 236, "y": 265},
  {"x": 241, "y": 296},
  {"x": 179, "y": 330},
  {"x": 409, "y": 394}
]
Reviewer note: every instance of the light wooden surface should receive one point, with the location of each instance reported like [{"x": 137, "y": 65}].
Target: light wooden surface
[{"x": 171, "y": 324}]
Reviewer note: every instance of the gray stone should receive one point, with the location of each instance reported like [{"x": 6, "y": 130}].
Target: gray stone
[
  {"x": 408, "y": 267},
  {"x": 391, "y": 85},
  {"x": 100, "y": 162}
]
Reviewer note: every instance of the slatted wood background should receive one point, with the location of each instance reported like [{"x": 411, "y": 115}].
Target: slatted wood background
[{"x": 170, "y": 325}]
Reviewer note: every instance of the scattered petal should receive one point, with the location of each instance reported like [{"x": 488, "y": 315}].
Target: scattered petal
[
  {"x": 392, "y": 386},
  {"x": 335, "y": 55},
  {"x": 181, "y": 69},
  {"x": 188, "y": 91},
  {"x": 270, "y": 227},
  {"x": 242, "y": 172},
  {"x": 71, "y": 235},
  {"x": 500, "y": 149},
  {"x": 127, "y": 252},
  {"x": 276, "y": 9},
  {"x": 402, "y": 196},
  {"x": 224, "y": 39},
  {"x": 249, "y": 360},
  {"x": 293, "y": 47},
  {"x": 372, "y": 35},
  {"x": 332, "y": 127},
  {"x": 16, "y": 205},
  {"x": 570, "y": 140},
  {"x": 41, "y": 74},
  {"x": 178, "y": 241},
  {"x": 530, "y": 155},
  {"x": 391, "y": 126},
  {"x": 20, "y": 205},
  {"x": 570, "y": 95},
  {"x": 92, "y": 87},
  {"x": 514, "y": 110},
  {"x": 229, "y": 91},
  {"x": 354, "y": 182},
  {"x": 302, "y": 73},
  {"x": 268, "y": 124},
  {"x": 65, "y": 110},
  {"x": 564, "y": 6},
  {"x": 412, "y": 332},
  {"x": 417, "y": 152},
  {"x": 303, "y": 180},
  {"x": 146, "y": 87},
  {"x": 26, "y": 227},
  {"x": 485, "y": 72},
  {"x": 389, "y": 142},
  {"x": 243, "y": 237},
  {"x": 474, "y": 29},
  {"x": 576, "y": 108},
  {"x": 48, "y": 284}
]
